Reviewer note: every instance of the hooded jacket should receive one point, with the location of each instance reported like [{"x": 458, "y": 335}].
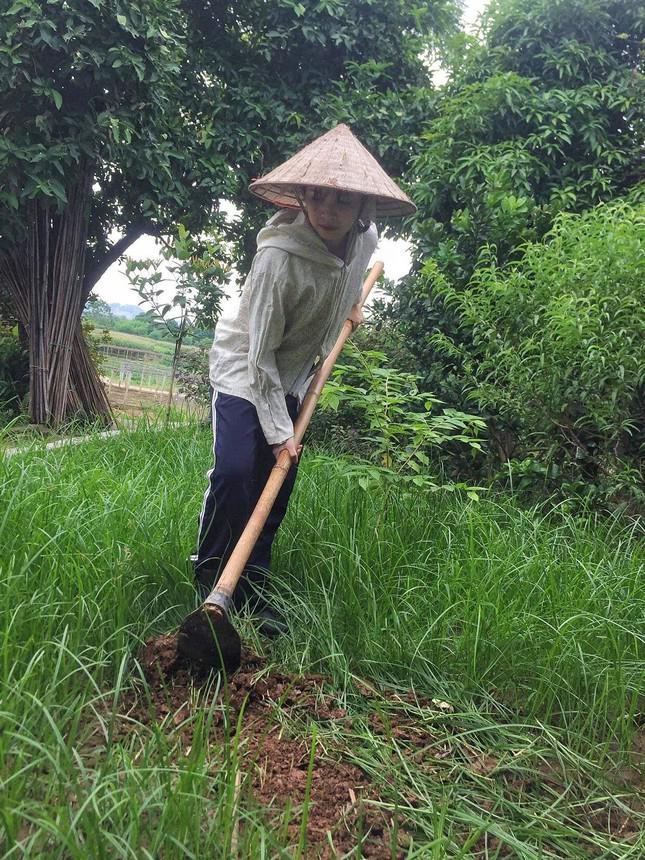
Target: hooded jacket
[{"x": 294, "y": 302}]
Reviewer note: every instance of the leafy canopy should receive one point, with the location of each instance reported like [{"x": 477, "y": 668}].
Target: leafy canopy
[
  {"x": 557, "y": 340},
  {"x": 178, "y": 103},
  {"x": 545, "y": 116}
]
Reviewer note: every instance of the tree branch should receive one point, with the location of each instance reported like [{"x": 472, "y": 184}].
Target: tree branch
[{"x": 100, "y": 266}]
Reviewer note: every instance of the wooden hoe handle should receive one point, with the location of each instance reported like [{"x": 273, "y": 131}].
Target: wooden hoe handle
[{"x": 223, "y": 590}]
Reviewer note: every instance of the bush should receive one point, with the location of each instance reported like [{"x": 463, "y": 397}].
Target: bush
[
  {"x": 559, "y": 347},
  {"x": 192, "y": 376},
  {"x": 390, "y": 422},
  {"x": 14, "y": 374}
]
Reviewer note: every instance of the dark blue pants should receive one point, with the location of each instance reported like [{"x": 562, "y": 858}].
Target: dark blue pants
[{"x": 243, "y": 462}]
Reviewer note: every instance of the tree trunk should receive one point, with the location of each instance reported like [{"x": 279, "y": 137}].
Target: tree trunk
[
  {"x": 38, "y": 319},
  {"x": 45, "y": 278}
]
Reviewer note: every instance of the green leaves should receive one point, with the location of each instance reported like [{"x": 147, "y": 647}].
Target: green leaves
[
  {"x": 191, "y": 266},
  {"x": 558, "y": 339},
  {"x": 399, "y": 424},
  {"x": 541, "y": 117},
  {"x": 538, "y": 110},
  {"x": 86, "y": 78}
]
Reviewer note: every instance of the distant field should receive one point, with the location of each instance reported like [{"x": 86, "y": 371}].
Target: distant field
[{"x": 137, "y": 341}]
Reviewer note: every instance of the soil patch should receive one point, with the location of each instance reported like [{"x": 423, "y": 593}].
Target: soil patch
[
  {"x": 134, "y": 401},
  {"x": 275, "y": 766}
]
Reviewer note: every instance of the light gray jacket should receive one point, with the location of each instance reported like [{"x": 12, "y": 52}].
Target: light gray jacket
[{"x": 294, "y": 302}]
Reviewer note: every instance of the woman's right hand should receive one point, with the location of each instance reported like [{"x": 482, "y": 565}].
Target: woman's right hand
[{"x": 290, "y": 446}]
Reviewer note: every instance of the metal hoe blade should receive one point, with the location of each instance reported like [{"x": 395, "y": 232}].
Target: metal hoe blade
[{"x": 206, "y": 636}]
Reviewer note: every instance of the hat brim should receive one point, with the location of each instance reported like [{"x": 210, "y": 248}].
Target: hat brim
[{"x": 286, "y": 195}]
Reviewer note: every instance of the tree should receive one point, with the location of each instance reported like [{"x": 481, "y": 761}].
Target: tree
[
  {"x": 98, "y": 312},
  {"x": 198, "y": 276},
  {"x": 282, "y": 73},
  {"x": 545, "y": 116},
  {"x": 132, "y": 117},
  {"x": 87, "y": 86}
]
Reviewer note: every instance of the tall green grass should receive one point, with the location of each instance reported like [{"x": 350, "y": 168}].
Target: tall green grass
[
  {"x": 546, "y": 612},
  {"x": 530, "y": 626}
]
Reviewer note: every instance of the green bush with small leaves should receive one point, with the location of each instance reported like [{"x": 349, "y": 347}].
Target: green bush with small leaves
[
  {"x": 559, "y": 343},
  {"x": 396, "y": 426}
]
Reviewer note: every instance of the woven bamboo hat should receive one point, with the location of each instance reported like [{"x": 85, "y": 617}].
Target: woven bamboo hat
[{"x": 337, "y": 160}]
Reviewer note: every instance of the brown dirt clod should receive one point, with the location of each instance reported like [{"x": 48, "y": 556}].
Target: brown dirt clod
[{"x": 160, "y": 656}]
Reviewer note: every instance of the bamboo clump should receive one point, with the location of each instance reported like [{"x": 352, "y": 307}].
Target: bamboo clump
[{"x": 45, "y": 278}]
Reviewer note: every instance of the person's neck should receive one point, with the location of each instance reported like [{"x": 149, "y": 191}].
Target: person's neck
[{"x": 338, "y": 248}]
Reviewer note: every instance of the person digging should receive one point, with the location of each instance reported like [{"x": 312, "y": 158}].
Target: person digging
[{"x": 303, "y": 286}]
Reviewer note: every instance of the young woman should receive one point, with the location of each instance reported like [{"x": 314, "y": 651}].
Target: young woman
[{"x": 304, "y": 282}]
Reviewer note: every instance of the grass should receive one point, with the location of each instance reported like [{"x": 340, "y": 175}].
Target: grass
[
  {"x": 20, "y": 435},
  {"x": 527, "y": 627}
]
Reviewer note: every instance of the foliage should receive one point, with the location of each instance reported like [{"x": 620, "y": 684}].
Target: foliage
[
  {"x": 14, "y": 374},
  {"x": 100, "y": 81},
  {"x": 544, "y": 116},
  {"x": 558, "y": 344},
  {"x": 7, "y": 313},
  {"x": 198, "y": 274},
  {"x": 355, "y": 61},
  {"x": 105, "y": 80},
  {"x": 396, "y": 423},
  {"x": 98, "y": 312},
  {"x": 145, "y": 326},
  {"x": 94, "y": 139},
  {"x": 192, "y": 376},
  {"x": 168, "y": 106}
]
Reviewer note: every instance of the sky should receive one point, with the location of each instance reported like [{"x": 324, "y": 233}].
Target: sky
[{"x": 114, "y": 287}]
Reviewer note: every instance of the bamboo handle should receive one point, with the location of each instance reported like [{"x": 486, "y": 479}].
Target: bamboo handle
[{"x": 223, "y": 590}]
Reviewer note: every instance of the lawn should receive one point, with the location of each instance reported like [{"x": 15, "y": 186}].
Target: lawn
[{"x": 461, "y": 678}]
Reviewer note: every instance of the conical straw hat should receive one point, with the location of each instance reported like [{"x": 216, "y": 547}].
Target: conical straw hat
[{"x": 337, "y": 160}]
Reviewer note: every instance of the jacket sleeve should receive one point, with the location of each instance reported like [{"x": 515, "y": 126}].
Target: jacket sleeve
[{"x": 267, "y": 316}]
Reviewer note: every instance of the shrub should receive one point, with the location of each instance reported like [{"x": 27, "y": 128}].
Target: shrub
[
  {"x": 192, "y": 376},
  {"x": 559, "y": 345},
  {"x": 395, "y": 425},
  {"x": 14, "y": 374}
]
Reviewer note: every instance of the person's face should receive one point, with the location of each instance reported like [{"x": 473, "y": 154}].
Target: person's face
[{"x": 332, "y": 213}]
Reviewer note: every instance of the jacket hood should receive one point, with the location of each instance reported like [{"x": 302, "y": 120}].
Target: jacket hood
[{"x": 290, "y": 231}]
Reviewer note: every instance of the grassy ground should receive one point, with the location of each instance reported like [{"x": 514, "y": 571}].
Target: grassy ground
[
  {"x": 525, "y": 629},
  {"x": 128, "y": 412}
]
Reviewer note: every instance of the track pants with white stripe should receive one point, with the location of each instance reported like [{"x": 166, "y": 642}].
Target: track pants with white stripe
[{"x": 243, "y": 462}]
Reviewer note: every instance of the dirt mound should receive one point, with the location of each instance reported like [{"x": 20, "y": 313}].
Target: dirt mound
[{"x": 275, "y": 765}]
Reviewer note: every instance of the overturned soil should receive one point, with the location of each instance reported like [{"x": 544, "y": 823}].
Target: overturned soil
[{"x": 277, "y": 766}]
